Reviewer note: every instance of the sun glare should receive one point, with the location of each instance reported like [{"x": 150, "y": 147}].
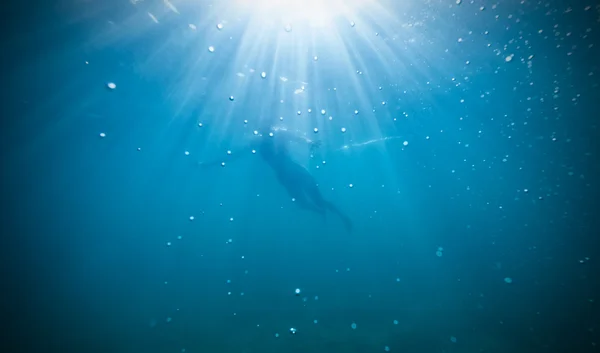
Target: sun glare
[
  {"x": 278, "y": 59},
  {"x": 315, "y": 12}
]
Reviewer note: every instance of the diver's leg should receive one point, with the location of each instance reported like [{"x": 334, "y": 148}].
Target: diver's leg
[
  {"x": 309, "y": 185},
  {"x": 297, "y": 194},
  {"x": 347, "y": 221}
]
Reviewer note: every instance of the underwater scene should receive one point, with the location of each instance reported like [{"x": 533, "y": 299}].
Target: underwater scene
[{"x": 268, "y": 176}]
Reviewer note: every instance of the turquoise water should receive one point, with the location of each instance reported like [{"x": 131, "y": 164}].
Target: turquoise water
[{"x": 459, "y": 138}]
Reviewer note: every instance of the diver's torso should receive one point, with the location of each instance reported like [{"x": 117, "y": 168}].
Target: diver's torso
[{"x": 276, "y": 153}]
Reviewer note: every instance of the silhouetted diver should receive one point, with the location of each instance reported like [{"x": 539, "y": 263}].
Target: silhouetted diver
[{"x": 272, "y": 146}]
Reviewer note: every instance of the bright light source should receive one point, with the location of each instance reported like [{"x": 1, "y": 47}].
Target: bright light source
[{"x": 316, "y": 12}]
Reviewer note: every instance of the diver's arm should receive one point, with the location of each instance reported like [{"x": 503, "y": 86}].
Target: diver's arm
[{"x": 295, "y": 137}]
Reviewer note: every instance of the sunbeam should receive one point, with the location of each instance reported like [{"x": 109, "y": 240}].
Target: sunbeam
[{"x": 275, "y": 60}]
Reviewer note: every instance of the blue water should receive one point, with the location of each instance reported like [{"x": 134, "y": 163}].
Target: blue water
[{"x": 461, "y": 139}]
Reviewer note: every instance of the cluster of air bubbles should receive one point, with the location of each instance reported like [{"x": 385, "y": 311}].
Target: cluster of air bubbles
[
  {"x": 585, "y": 259},
  {"x": 439, "y": 251}
]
